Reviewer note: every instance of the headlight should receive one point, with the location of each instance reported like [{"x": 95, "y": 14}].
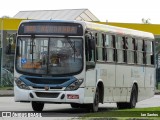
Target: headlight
[
  {"x": 75, "y": 85},
  {"x": 21, "y": 84}
]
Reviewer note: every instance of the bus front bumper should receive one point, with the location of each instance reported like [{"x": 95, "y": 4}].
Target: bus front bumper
[{"x": 50, "y": 96}]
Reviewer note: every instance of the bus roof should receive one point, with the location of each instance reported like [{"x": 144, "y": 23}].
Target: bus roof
[
  {"x": 103, "y": 28},
  {"x": 119, "y": 30}
]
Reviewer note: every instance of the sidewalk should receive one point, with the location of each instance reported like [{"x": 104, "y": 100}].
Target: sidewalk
[{"x": 6, "y": 93}]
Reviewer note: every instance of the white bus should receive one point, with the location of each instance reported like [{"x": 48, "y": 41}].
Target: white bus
[{"x": 82, "y": 64}]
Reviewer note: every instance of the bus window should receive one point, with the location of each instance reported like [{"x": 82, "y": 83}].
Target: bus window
[
  {"x": 144, "y": 51},
  {"x": 90, "y": 51},
  {"x": 99, "y": 47},
  {"x": 130, "y": 50},
  {"x": 152, "y": 55},
  {"x": 103, "y": 48},
  {"x": 140, "y": 52},
  {"x": 134, "y": 49},
  {"x": 125, "y": 47},
  {"x": 120, "y": 50},
  {"x": 149, "y": 52},
  {"x": 109, "y": 48}
]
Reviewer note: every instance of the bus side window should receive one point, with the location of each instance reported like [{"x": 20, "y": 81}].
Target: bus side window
[
  {"x": 130, "y": 51},
  {"x": 120, "y": 49},
  {"x": 134, "y": 41},
  {"x": 90, "y": 51},
  {"x": 149, "y": 53},
  {"x": 144, "y": 51},
  {"x": 125, "y": 47},
  {"x": 96, "y": 41},
  {"x": 103, "y": 47},
  {"x": 109, "y": 46},
  {"x": 114, "y": 48},
  {"x": 99, "y": 47},
  {"x": 152, "y": 51},
  {"x": 140, "y": 52}
]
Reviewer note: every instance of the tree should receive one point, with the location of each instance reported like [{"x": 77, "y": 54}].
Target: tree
[
  {"x": 146, "y": 21},
  {"x": 5, "y": 16}
]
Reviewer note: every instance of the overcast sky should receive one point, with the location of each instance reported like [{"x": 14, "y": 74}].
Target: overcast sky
[{"x": 128, "y": 11}]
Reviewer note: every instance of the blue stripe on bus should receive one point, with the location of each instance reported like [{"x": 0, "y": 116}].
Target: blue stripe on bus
[{"x": 52, "y": 81}]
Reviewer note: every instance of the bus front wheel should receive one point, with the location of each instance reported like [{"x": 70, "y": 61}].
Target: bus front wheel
[
  {"x": 37, "y": 106},
  {"x": 95, "y": 105}
]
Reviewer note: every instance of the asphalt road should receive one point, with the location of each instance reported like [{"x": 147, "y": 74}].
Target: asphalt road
[{"x": 64, "y": 110}]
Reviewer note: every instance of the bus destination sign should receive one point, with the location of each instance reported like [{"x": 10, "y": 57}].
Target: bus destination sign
[{"x": 50, "y": 29}]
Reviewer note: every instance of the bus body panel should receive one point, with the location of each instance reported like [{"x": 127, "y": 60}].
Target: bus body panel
[
  {"x": 24, "y": 95},
  {"x": 119, "y": 89},
  {"x": 89, "y": 94},
  {"x": 90, "y": 85},
  {"x": 106, "y": 73},
  {"x": 149, "y": 77}
]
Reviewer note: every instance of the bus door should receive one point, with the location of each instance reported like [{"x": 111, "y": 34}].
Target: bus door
[{"x": 90, "y": 65}]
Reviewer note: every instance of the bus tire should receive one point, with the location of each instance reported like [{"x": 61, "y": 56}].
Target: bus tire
[
  {"x": 133, "y": 98},
  {"x": 37, "y": 106},
  {"x": 94, "y": 106}
]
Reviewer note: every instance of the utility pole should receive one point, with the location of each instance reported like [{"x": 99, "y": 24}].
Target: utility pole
[{"x": 1, "y": 50}]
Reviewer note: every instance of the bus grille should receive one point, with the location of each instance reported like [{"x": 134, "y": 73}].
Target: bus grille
[
  {"x": 59, "y": 88},
  {"x": 47, "y": 95},
  {"x": 47, "y": 81}
]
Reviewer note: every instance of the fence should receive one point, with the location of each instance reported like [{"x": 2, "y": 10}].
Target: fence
[{"x": 6, "y": 77}]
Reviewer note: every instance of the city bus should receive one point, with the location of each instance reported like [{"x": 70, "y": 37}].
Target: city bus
[{"x": 82, "y": 64}]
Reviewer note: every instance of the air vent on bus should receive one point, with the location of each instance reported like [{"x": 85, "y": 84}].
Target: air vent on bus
[
  {"x": 47, "y": 95},
  {"x": 59, "y": 88}
]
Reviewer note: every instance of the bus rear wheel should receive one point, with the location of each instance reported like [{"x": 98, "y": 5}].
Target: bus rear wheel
[
  {"x": 133, "y": 100},
  {"x": 37, "y": 106},
  {"x": 134, "y": 97}
]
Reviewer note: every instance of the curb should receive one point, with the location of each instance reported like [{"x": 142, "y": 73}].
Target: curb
[{"x": 5, "y": 93}]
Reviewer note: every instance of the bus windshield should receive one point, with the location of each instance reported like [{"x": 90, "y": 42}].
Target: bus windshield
[{"x": 52, "y": 56}]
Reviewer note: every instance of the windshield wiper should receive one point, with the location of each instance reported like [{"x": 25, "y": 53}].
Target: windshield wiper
[{"x": 32, "y": 46}]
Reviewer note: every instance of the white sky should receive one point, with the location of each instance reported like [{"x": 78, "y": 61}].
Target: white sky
[{"x": 128, "y": 11}]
